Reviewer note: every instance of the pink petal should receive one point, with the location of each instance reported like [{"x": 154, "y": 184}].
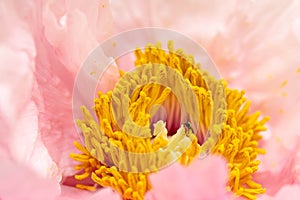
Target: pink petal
[
  {"x": 19, "y": 182},
  {"x": 280, "y": 167},
  {"x": 18, "y": 114},
  {"x": 74, "y": 28},
  {"x": 71, "y": 193},
  {"x": 253, "y": 55},
  {"x": 69, "y": 31},
  {"x": 176, "y": 14},
  {"x": 17, "y": 54},
  {"x": 54, "y": 101},
  {"x": 23, "y": 144},
  {"x": 291, "y": 192},
  {"x": 203, "y": 179}
]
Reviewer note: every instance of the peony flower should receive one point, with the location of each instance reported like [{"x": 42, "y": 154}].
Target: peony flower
[
  {"x": 231, "y": 131},
  {"x": 49, "y": 40}
]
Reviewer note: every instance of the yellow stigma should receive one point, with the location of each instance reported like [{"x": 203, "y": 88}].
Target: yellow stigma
[{"x": 102, "y": 156}]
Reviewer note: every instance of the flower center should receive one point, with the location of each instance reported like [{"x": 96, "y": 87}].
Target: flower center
[{"x": 235, "y": 134}]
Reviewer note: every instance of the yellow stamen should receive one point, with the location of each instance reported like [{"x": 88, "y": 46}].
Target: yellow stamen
[
  {"x": 103, "y": 159},
  {"x": 283, "y": 84},
  {"x": 238, "y": 144},
  {"x": 131, "y": 185},
  {"x": 85, "y": 187}
]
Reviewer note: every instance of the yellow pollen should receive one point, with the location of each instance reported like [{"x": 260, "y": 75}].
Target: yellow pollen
[
  {"x": 92, "y": 73},
  {"x": 298, "y": 70},
  {"x": 104, "y": 140},
  {"x": 283, "y": 84},
  {"x": 270, "y": 77},
  {"x": 284, "y": 94},
  {"x": 281, "y": 111}
]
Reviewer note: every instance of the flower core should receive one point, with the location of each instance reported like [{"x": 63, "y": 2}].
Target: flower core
[{"x": 232, "y": 132}]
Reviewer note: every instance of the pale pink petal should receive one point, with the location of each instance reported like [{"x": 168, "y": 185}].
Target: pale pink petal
[
  {"x": 71, "y": 193},
  {"x": 108, "y": 79},
  {"x": 53, "y": 96},
  {"x": 69, "y": 31},
  {"x": 291, "y": 192},
  {"x": 199, "y": 19},
  {"x": 17, "y": 52},
  {"x": 18, "y": 114},
  {"x": 23, "y": 144},
  {"x": 202, "y": 179},
  {"x": 262, "y": 48},
  {"x": 74, "y": 28},
  {"x": 279, "y": 167},
  {"x": 17, "y": 181}
]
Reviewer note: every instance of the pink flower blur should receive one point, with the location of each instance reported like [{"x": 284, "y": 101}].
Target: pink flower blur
[{"x": 43, "y": 43}]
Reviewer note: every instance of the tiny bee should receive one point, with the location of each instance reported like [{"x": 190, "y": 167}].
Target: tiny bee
[{"x": 187, "y": 127}]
